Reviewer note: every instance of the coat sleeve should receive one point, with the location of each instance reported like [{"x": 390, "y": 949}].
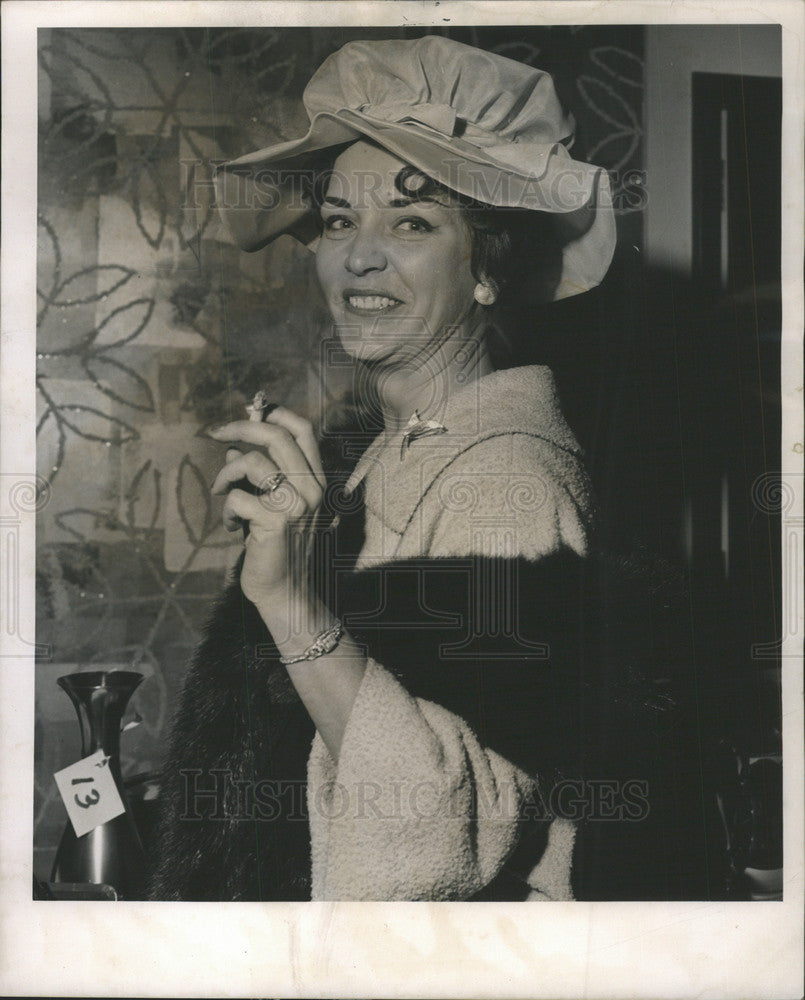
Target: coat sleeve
[
  {"x": 415, "y": 808},
  {"x": 436, "y": 780}
]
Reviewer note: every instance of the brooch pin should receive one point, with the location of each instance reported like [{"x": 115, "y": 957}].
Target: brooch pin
[{"x": 418, "y": 428}]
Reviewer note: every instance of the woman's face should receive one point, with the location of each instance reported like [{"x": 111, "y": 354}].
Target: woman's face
[{"x": 395, "y": 272}]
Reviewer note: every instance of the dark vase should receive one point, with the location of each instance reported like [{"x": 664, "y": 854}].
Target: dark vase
[{"x": 112, "y": 853}]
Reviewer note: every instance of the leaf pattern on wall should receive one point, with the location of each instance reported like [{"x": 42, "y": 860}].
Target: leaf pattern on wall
[
  {"x": 92, "y": 284},
  {"x": 603, "y": 99},
  {"x": 193, "y": 501},
  {"x": 135, "y": 391},
  {"x": 121, "y": 325},
  {"x": 136, "y": 497}
]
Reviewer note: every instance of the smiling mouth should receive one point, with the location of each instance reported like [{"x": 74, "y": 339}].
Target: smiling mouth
[{"x": 369, "y": 304}]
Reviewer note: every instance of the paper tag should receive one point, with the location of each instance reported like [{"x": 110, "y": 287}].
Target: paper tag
[{"x": 89, "y": 792}]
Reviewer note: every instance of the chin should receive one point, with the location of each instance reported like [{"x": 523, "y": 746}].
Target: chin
[
  {"x": 361, "y": 340},
  {"x": 368, "y": 350}
]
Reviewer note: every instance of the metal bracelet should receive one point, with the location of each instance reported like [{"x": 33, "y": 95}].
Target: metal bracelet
[{"x": 324, "y": 643}]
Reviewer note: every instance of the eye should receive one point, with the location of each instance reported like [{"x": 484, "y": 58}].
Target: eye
[
  {"x": 337, "y": 226},
  {"x": 414, "y": 224}
]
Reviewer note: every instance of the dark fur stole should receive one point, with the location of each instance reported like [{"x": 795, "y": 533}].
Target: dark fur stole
[{"x": 570, "y": 668}]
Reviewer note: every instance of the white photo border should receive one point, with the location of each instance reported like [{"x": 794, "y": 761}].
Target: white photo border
[{"x": 698, "y": 948}]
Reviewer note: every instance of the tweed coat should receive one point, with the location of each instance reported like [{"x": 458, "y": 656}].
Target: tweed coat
[{"x": 492, "y": 681}]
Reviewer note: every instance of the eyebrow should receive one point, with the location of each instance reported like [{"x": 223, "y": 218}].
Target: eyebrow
[{"x": 394, "y": 203}]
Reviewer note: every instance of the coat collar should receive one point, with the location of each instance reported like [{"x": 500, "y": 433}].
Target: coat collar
[{"x": 398, "y": 472}]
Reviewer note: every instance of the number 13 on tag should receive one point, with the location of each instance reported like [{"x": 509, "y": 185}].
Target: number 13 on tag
[{"x": 89, "y": 792}]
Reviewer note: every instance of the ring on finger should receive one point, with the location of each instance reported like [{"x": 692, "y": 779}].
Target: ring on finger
[{"x": 273, "y": 482}]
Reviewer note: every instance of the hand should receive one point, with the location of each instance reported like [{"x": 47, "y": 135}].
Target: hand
[
  {"x": 274, "y": 576},
  {"x": 281, "y": 521}
]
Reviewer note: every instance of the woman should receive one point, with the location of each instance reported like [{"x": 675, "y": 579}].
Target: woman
[{"x": 419, "y": 684}]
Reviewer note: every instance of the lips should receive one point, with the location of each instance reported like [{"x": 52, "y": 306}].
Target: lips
[{"x": 369, "y": 302}]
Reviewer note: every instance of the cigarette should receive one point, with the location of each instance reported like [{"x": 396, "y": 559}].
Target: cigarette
[{"x": 259, "y": 407}]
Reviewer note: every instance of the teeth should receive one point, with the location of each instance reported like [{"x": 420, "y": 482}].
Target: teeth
[{"x": 370, "y": 302}]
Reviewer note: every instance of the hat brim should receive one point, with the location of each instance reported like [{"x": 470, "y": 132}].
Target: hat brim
[{"x": 266, "y": 194}]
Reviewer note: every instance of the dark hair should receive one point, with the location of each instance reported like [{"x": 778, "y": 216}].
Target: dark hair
[{"x": 511, "y": 247}]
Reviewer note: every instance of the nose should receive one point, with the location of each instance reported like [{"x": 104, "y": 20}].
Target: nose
[{"x": 365, "y": 255}]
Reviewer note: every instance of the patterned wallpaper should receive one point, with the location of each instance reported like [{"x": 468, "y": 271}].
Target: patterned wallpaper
[{"x": 152, "y": 326}]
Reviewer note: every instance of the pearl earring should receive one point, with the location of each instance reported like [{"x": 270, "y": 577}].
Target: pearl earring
[{"x": 485, "y": 295}]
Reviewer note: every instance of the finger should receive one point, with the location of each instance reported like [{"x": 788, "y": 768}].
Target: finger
[
  {"x": 254, "y": 466},
  {"x": 275, "y": 496},
  {"x": 270, "y": 511},
  {"x": 240, "y": 507},
  {"x": 232, "y": 454},
  {"x": 279, "y": 441},
  {"x": 304, "y": 435},
  {"x": 283, "y": 449}
]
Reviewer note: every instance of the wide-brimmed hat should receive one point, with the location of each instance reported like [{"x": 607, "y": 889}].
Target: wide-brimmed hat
[{"x": 482, "y": 125}]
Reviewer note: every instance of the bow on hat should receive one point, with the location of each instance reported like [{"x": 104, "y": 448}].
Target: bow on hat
[
  {"x": 443, "y": 119},
  {"x": 439, "y": 117}
]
